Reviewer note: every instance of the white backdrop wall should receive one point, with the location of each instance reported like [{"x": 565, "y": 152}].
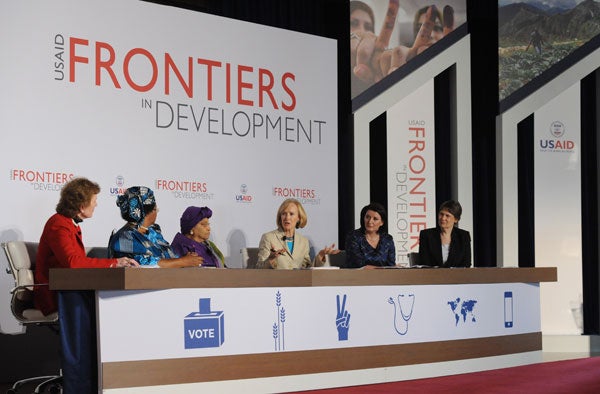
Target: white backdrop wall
[
  {"x": 557, "y": 191},
  {"x": 205, "y": 110}
]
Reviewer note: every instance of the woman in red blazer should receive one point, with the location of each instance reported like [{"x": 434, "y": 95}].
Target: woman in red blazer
[{"x": 61, "y": 246}]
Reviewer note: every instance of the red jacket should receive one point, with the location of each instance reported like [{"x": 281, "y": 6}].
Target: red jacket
[{"x": 61, "y": 246}]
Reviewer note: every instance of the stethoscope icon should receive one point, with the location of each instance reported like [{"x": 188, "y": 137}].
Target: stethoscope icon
[{"x": 404, "y": 309}]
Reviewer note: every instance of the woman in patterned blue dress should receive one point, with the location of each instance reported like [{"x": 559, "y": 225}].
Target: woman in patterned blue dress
[{"x": 140, "y": 238}]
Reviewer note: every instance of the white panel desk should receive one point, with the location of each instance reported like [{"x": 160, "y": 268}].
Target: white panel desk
[{"x": 167, "y": 327}]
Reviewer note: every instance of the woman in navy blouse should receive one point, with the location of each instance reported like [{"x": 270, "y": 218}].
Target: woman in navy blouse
[{"x": 370, "y": 246}]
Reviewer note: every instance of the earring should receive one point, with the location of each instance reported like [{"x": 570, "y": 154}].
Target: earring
[{"x": 191, "y": 232}]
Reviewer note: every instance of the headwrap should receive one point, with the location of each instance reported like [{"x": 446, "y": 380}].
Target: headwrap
[
  {"x": 191, "y": 216},
  {"x": 134, "y": 203}
]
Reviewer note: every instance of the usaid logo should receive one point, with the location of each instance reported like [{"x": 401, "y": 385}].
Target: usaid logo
[
  {"x": 557, "y": 130},
  {"x": 119, "y": 188},
  {"x": 243, "y": 197},
  {"x": 204, "y": 328}
]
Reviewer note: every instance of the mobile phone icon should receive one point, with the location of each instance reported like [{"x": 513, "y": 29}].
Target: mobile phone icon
[{"x": 508, "y": 309}]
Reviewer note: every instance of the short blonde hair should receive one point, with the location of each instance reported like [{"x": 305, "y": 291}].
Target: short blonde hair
[{"x": 301, "y": 213}]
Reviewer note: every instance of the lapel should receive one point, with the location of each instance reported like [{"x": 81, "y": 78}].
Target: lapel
[
  {"x": 281, "y": 243},
  {"x": 77, "y": 230},
  {"x": 453, "y": 242}
]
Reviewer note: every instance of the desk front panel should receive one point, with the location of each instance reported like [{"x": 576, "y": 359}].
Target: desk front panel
[{"x": 291, "y": 328}]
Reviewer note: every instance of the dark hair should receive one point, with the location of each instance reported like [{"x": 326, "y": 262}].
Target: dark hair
[
  {"x": 359, "y": 5},
  {"x": 375, "y": 207},
  {"x": 421, "y": 11},
  {"x": 453, "y": 207},
  {"x": 76, "y": 194}
]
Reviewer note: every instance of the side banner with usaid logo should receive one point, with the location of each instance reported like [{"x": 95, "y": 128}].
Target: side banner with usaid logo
[{"x": 557, "y": 191}]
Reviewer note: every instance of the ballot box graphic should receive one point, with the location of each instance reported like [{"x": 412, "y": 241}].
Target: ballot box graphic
[{"x": 204, "y": 328}]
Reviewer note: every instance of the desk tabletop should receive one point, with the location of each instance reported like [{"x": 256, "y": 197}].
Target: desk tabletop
[{"x": 162, "y": 278}]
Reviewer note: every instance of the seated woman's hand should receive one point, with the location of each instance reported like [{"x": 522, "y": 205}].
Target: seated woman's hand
[
  {"x": 126, "y": 262},
  {"x": 190, "y": 260}
]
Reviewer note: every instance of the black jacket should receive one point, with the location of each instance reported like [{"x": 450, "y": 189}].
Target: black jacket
[{"x": 430, "y": 248}]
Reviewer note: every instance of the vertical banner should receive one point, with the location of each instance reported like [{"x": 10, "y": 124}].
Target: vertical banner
[
  {"x": 557, "y": 192},
  {"x": 411, "y": 169}
]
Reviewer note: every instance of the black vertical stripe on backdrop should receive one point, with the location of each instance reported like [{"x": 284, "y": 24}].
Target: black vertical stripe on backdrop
[
  {"x": 525, "y": 194},
  {"x": 444, "y": 137},
  {"x": 483, "y": 28},
  {"x": 378, "y": 159},
  {"x": 590, "y": 107}
]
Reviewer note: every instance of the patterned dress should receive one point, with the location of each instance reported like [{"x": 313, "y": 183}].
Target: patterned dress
[
  {"x": 146, "y": 249},
  {"x": 360, "y": 253}
]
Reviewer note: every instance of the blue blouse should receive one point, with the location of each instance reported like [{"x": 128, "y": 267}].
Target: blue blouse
[
  {"x": 146, "y": 249},
  {"x": 360, "y": 253}
]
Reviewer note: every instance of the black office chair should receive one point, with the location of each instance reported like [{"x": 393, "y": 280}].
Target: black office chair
[
  {"x": 338, "y": 259},
  {"x": 21, "y": 264}
]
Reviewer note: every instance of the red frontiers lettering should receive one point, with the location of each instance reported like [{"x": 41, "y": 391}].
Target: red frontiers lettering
[
  {"x": 107, "y": 64},
  {"x": 243, "y": 85},
  {"x": 419, "y": 131},
  {"x": 181, "y": 186},
  {"x": 74, "y": 58},
  {"x": 40, "y": 176},
  {"x": 265, "y": 87},
  {"x": 209, "y": 77},
  {"x": 293, "y": 193},
  {"x": 170, "y": 65},
  {"x": 240, "y": 84},
  {"x": 289, "y": 91},
  {"x": 417, "y": 165},
  {"x": 127, "y": 72}
]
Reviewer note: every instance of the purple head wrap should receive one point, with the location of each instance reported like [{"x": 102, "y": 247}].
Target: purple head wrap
[{"x": 191, "y": 216}]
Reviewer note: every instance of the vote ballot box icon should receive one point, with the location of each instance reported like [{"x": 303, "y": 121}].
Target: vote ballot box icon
[{"x": 204, "y": 328}]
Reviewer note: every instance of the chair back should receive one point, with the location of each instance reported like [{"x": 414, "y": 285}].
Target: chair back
[
  {"x": 21, "y": 263},
  {"x": 413, "y": 259},
  {"x": 249, "y": 257},
  {"x": 338, "y": 259}
]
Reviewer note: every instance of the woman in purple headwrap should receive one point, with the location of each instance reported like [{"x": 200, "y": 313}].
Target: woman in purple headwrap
[
  {"x": 195, "y": 231},
  {"x": 140, "y": 238}
]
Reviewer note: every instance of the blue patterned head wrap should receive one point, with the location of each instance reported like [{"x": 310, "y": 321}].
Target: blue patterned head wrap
[{"x": 135, "y": 203}]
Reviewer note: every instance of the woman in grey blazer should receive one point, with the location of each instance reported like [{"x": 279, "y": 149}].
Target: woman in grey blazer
[{"x": 285, "y": 248}]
